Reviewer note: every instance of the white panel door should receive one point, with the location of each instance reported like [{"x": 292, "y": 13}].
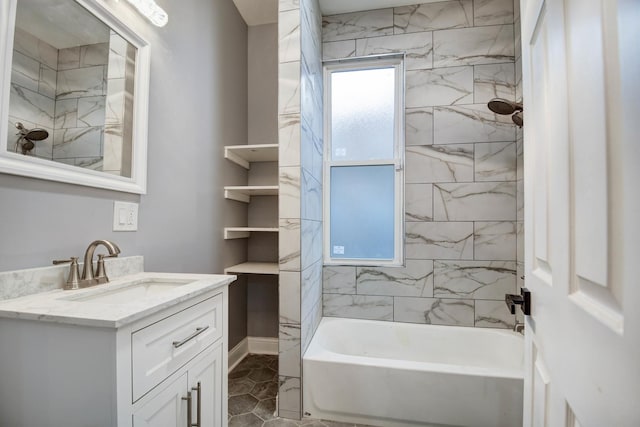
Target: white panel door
[
  {"x": 581, "y": 80},
  {"x": 207, "y": 373},
  {"x": 166, "y": 409}
]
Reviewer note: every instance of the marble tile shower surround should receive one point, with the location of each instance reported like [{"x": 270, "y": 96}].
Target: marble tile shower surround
[
  {"x": 72, "y": 93},
  {"x": 18, "y": 283},
  {"x": 300, "y": 202},
  {"x": 462, "y": 165}
]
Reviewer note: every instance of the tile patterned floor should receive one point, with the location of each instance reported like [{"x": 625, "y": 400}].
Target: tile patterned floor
[{"x": 253, "y": 386}]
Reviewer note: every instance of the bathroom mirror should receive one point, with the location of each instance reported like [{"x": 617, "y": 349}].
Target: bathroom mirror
[{"x": 74, "y": 83}]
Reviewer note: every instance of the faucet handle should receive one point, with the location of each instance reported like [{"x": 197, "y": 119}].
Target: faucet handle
[
  {"x": 101, "y": 273},
  {"x": 73, "y": 281}
]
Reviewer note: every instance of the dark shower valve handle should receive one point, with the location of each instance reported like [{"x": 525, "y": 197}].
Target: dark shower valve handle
[{"x": 523, "y": 300}]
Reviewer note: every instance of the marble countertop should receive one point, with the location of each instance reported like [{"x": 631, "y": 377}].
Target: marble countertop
[{"x": 68, "y": 307}]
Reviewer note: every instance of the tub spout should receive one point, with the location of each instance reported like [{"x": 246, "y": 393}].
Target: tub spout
[{"x": 519, "y": 327}]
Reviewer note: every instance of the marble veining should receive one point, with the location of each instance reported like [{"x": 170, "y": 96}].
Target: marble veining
[
  {"x": 311, "y": 197},
  {"x": 311, "y": 237},
  {"x": 418, "y": 48},
  {"x": 358, "y": 306},
  {"x": 495, "y": 161},
  {"x": 357, "y": 25},
  {"x": 445, "y": 86},
  {"x": 289, "y": 88},
  {"x": 439, "y": 240},
  {"x": 476, "y": 201},
  {"x": 474, "y": 279},
  {"x": 25, "y": 71},
  {"x": 492, "y": 12},
  {"x": 289, "y": 397},
  {"x": 472, "y": 46},
  {"x": 418, "y": 128},
  {"x": 339, "y": 280},
  {"x": 311, "y": 293},
  {"x": 459, "y": 124},
  {"x": 289, "y": 140},
  {"x": 433, "y": 16},
  {"x": 495, "y": 240},
  {"x": 289, "y": 350},
  {"x": 289, "y": 297},
  {"x": 78, "y": 82},
  {"x": 418, "y": 201},
  {"x": 338, "y": 50},
  {"x": 289, "y": 244},
  {"x": 494, "y": 81},
  {"x": 31, "y": 106},
  {"x": 289, "y": 36},
  {"x": 289, "y": 193},
  {"x": 414, "y": 279},
  {"x": 434, "y": 311},
  {"x": 439, "y": 163},
  {"x": 493, "y": 314}
]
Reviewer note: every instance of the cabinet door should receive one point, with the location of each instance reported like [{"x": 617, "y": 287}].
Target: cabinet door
[
  {"x": 166, "y": 409},
  {"x": 208, "y": 372}
]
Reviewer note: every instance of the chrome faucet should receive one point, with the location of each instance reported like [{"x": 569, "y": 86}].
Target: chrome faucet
[{"x": 89, "y": 276}]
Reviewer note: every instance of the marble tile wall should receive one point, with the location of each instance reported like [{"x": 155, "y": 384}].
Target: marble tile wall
[
  {"x": 519, "y": 157},
  {"x": 300, "y": 201},
  {"x": 33, "y": 87},
  {"x": 64, "y": 92},
  {"x": 462, "y": 216},
  {"x": 118, "y": 96},
  {"x": 80, "y": 94}
]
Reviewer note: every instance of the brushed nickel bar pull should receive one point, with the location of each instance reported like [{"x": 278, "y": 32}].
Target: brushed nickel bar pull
[
  {"x": 188, "y": 399},
  {"x": 178, "y": 344},
  {"x": 198, "y": 389}
]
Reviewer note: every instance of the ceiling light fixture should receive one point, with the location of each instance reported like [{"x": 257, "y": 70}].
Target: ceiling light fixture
[{"x": 151, "y": 11}]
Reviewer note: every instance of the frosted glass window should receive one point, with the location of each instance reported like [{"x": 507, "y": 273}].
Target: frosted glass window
[
  {"x": 362, "y": 114},
  {"x": 362, "y": 212}
]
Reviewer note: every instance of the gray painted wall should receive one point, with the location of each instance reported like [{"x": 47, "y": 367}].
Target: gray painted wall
[
  {"x": 198, "y": 103},
  {"x": 263, "y": 84},
  {"x": 262, "y": 295}
]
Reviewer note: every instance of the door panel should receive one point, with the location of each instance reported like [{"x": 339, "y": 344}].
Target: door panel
[
  {"x": 208, "y": 372},
  {"x": 166, "y": 409},
  {"x": 582, "y": 210}
]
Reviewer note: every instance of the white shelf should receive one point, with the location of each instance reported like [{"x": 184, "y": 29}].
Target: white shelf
[
  {"x": 243, "y": 193},
  {"x": 244, "y": 155},
  {"x": 254, "y": 268},
  {"x": 244, "y": 232}
]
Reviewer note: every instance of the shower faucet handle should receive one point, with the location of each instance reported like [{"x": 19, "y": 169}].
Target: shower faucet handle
[
  {"x": 73, "y": 281},
  {"x": 523, "y": 300}
]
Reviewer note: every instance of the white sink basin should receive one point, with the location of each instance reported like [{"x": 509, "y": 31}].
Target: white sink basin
[{"x": 134, "y": 291}]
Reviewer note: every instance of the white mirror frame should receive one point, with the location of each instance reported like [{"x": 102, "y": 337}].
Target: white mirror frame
[{"x": 18, "y": 164}]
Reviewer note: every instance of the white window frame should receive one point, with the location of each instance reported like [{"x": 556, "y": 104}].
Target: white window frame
[{"x": 395, "y": 61}]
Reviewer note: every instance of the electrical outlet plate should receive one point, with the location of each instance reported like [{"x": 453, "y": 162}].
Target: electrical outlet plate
[{"x": 125, "y": 216}]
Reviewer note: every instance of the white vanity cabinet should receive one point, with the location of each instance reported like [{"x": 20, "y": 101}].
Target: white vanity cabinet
[{"x": 158, "y": 370}]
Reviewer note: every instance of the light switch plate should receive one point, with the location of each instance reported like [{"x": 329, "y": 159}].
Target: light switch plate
[{"x": 125, "y": 216}]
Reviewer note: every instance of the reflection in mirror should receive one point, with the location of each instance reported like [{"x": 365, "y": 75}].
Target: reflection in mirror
[{"x": 72, "y": 85}]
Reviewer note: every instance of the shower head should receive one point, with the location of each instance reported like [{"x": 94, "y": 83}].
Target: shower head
[
  {"x": 518, "y": 118},
  {"x": 33, "y": 134},
  {"x": 27, "y": 137},
  {"x": 504, "y": 106}
]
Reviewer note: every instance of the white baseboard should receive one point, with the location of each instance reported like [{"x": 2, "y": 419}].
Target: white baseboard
[
  {"x": 253, "y": 345},
  {"x": 263, "y": 345},
  {"x": 237, "y": 353}
]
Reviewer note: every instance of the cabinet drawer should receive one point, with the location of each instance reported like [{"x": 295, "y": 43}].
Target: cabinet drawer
[{"x": 158, "y": 350}]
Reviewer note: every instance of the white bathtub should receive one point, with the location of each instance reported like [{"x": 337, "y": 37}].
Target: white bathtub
[{"x": 396, "y": 374}]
